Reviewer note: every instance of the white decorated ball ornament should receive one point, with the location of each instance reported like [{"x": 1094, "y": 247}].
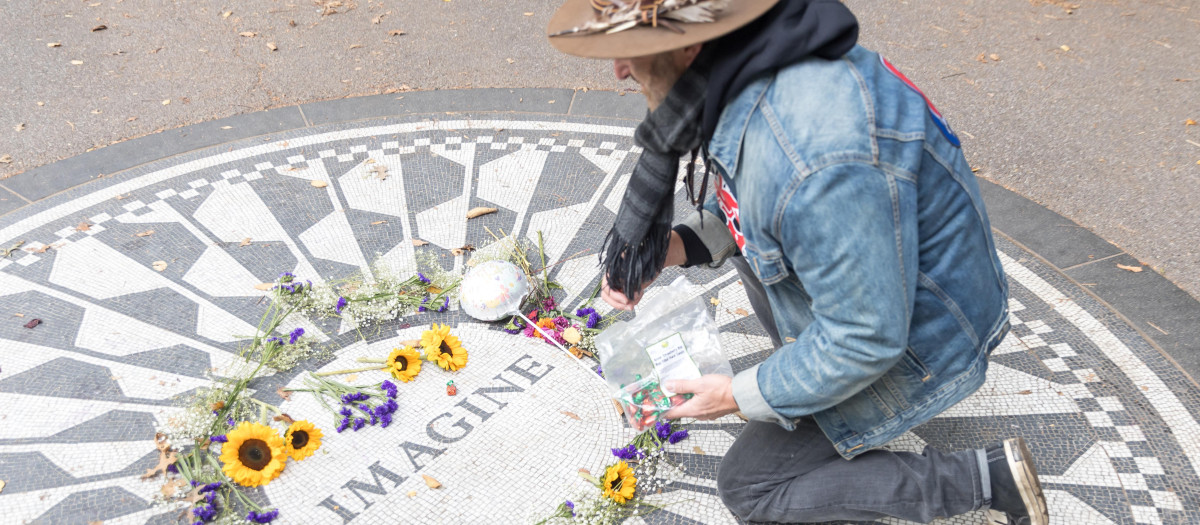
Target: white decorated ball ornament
[{"x": 493, "y": 290}]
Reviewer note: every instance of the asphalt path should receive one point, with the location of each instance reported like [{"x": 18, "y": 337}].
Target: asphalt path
[{"x": 1082, "y": 107}]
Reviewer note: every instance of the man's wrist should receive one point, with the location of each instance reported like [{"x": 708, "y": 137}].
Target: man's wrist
[{"x": 676, "y": 253}]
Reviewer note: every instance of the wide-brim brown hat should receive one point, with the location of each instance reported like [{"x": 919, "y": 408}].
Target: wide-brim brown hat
[{"x": 645, "y": 40}]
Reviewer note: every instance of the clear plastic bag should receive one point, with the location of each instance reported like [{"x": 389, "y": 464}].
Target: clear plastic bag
[{"x": 672, "y": 337}]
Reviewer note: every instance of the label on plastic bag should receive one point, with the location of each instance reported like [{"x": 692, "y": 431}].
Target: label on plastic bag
[{"x": 672, "y": 360}]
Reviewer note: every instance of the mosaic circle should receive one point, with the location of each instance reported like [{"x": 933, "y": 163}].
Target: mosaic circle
[{"x": 123, "y": 339}]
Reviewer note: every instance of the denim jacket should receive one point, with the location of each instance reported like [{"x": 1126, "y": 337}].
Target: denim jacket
[{"x": 851, "y": 200}]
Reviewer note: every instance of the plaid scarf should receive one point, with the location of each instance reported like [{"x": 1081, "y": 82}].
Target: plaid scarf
[{"x": 636, "y": 248}]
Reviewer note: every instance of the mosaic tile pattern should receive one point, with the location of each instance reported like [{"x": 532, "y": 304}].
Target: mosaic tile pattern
[{"x": 121, "y": 344}]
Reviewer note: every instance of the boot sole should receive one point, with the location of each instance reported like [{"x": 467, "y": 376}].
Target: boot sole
[{"x": 1020, "y": 461}]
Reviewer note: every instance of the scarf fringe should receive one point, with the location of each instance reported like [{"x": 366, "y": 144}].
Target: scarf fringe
[{"x": 630, "y": 268}]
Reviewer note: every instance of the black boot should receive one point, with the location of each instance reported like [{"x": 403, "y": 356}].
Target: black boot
[{"x": 1016, "y": 491}]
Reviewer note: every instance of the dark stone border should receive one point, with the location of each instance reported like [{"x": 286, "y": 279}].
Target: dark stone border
[{"x": 1166, "y": 316}]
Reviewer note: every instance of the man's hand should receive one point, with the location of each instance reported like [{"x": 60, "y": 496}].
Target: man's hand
[{"x": 713, "y": 397}]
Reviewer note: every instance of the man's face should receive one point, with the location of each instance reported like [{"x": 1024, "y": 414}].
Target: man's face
[{"x": 656, "y": 74}]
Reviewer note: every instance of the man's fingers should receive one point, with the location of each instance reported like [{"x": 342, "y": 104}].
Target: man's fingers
[{"x": 683, "y": 386}]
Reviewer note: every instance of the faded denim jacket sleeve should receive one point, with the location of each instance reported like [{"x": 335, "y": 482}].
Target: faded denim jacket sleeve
[{"x": 839, "y": 233}]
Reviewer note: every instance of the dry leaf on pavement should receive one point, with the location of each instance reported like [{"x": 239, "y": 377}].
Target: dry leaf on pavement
[
  {"x": 272, "y": 46},
  {"x": 245, "y": 242},
  {"x": 741, "y": 311},
  {"x": 168, "y": 489},
  {"x": 1134, "y": 269},
  {"x": 287, "y": 396},
  {"x": 19, "y": 127},
  {"x": 377, "y": 20},
  {"x": 419, "y": 242},
  {"x": 100, "y": 27},
  {"x": 480, "y": 211},
  {"x": 226, "y": 14},
  {"x": 396, "y": 32},
  {"x": 166, "y": 101},
  {"x": 432, "y": 483},
  {"x": 1188, "y": 122},
  {"x": 571, "y": 415},
  {"x": 319, "y": 183},
  {"x": 2, "y": 484},
  {"x": 77, "y": 62},
  {"x": 264, "y": 286},
  {"x": 377, "y": 223},
  {"x": 571, "y": 335},
  {"x": 146, "y": 233},
  {"x": 166, "y": 457},
  {"x": 248, "y": 34},
  {"x": 714, "y": 301},
  {"x": 83, "y": 226},
  {"x": 159, "y": 265},
  {"x": 6, "y": 159},
  {"x": 54, "y": 44},
  {"x": 698, "y": 450}
]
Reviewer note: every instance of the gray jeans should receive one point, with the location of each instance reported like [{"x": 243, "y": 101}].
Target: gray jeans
[{"x": 772, "y": 474}]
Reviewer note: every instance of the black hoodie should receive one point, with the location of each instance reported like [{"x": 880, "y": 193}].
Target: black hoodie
[{"x": 790, "y": 32}]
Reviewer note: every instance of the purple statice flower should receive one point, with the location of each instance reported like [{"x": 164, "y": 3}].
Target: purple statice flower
[
  {"x": 292, "y": 337},
  {"x": 218, "y": 439},
  {"x": 211, "y": 498},
  {"x": 593, "y": 319},
  {"x": 340, "y": 304},
  {"x": 172, "y": 468},
  {"x": 677, "y": 436},
  {"x": 391, "y": 406},
  {"x": 374, "y": 419},
  {"x": 209, "y": 488},
  {"x": 262, "y": 517},
  {"x": 389, "y": 387},
  {"x": 662, "y": 429},
  {"x": 343, "y": 425},
  {"x": 422, "y": 278},
  {"x": 359, "y": 423},
  {"x": 599, "y": 370},
  {"x": 229, "y": 421},
  {"x": 548, "y": 303},
  {"x": 628, "y": 453},
  {"x": 275, "y": 340},
  {"x": 570, "y": 506},
  {"x": 385, "y": 420},
  {"x": 287, "y": 277},
  {"x": 423, "y": 303},
  {"x": 205, "y": 513},
  {"x": 345, "y": 412},
  {"x": 445, "y": 304}
]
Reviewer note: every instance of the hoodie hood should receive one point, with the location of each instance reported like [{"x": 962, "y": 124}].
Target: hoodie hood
[{"x": 790, "y": 32}]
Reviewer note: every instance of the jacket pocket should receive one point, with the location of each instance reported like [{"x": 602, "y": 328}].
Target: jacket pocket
[
  {"x": 914, "y": 364},
  {"x": 768, "y": 266}
]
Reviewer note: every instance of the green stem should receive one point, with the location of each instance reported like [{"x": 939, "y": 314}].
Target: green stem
[
  {"x": 350, "y": 371},
  {"x": 370, "y": 360}
]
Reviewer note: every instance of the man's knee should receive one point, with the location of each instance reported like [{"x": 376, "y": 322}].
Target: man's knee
[{"x": 733, "y": 487}]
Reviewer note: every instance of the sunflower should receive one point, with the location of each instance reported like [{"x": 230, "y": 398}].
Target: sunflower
[
  {"x": 301, "y": 440},
  {"x": 619, "y": 482},
  {"x": 404, "y": 363},
  {"x": 254, "y": 454},
  {"x": 443, "y": 348}
]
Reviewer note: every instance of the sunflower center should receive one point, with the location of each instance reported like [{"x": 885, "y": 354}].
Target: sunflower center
[
  {"x": 299, "y": 439},
  {"x": 255, "y": 454},
  {"x": 403, "y": 362},
  {"x": 445, "y": 348},
  {"x": 616, "y": 484}
]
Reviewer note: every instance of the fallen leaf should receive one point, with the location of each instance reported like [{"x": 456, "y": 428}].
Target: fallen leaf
[
  {"x": 412, "y": 494},
  {"x": 159, "y": 265},
  {"x": 994, "y": 57},
  {"x": 19, "y": 127},
  {"x": 585, "y": 471},
  {"x": 18, "y": 315},
  {"x": 396, "y": 32},
  {"x": 54, "y": 44},
  {"x": 789, "y": 339},
  {"x": 1188, "y": 122},
  {"x": 32, "y": 323},
  {"x": 509, "y": 60},
  {"x": 2, "y": 484},
  {"x": 77, "y": 62},
  {"x": 571, "y": 415},
  {"x": 1064, "y": 48},
  {"x": 166, "y": 457},
  {"x": 1134, "y": 269},
  {"x": 741, "y": 311},
  {"x": 698, "y": 450},
  {"x": 264, "y": 286},
  {"x": 168, "y": 489},
  {"x": 456, "y": 251},
  {"x": 528, "y": 13},
  {"x": 434, "y": 290},
  {"x": 575, "y": 351},
  {"x": 319, "y": 183},
  {"x": 377, "y": 20},
  {"x": 226, "y": 14},
  {"x": 352, "y": 377},
  {"x": 6, "y": 159},
  {"x": 245, "y": 242},
  {"x": 130, "y": 119},
  {"x": 248, "y": 34},
  {"x": 419, "y": 242},
  {"x": 1025, "y": 392},
  {"x": 355, "y": 46},
  {"x": 714, "y": 301},
  {"x": 83, "y": 226},
  {"x": 480, "y": 211},
  {"x": 194, "y": 496},
  {"x": 272, "y": 46},
  {"x": 146, "y": 233},
  {"x": 217, "y": 406},
  {"x": 286, "y": 419},
  {"x": 410, "y": 342},
  {"x": 166, "y": 101},
  {"x": 97, "y": 522},
  {"x": 377, "y": 223},
  {"x": 287, "y": 396},
  {"x": 100, "y": 27},
  {"x": 432, "y": 483}
]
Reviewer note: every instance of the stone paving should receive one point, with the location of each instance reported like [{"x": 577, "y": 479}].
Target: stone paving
[{"x": 1112, "y": 423}]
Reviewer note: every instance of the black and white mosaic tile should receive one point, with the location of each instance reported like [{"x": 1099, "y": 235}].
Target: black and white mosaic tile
[{"x": 122, "y": 344}]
